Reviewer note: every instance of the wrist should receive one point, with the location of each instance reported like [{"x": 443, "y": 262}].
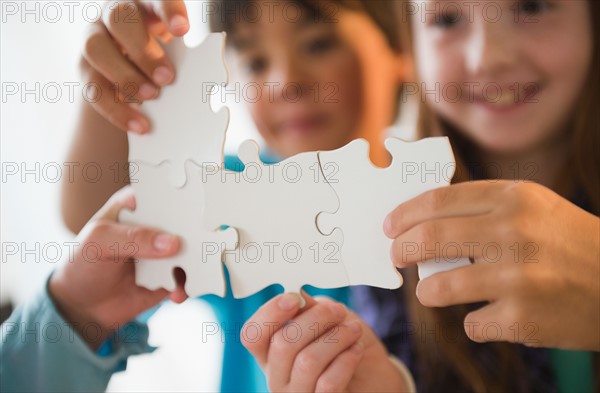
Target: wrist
[{"x": 90, "y": 329}]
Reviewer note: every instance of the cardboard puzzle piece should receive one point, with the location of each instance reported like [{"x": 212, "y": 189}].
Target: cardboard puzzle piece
[
  {"x": 367, "y": 194},
  {"x": 184, "y": 127},
  {"x": 178, "y": 211},
  {"x": 274, "y": 209}
]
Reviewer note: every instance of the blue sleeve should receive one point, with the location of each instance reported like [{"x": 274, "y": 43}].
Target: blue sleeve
[{"x": 40, "y": 351}]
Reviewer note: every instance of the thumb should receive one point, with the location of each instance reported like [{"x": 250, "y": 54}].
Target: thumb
[{"x": 122, "y": 199}]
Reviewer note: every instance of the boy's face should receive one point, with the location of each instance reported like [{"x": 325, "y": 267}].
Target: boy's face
[
  {"x": 509, "y": 74},
  {"x": 309, "y": 79}
]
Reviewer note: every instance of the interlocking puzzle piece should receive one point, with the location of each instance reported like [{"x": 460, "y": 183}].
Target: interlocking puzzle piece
[
  {"x": 367, "y": 194},
  {"x": 184, "y": 127},
  {"x": 274, "y": 208},
  {"x": 178, "y": 211}
]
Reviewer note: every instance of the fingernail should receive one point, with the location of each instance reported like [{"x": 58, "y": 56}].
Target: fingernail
[
  {"x": 338, "y": 310},
  {"x": 135, "y": 126},
  {"x": 387, "y": 226},
  {"x": 393, "y": 257},
  {"x": 418, "y": 290},
  {"x": 179, "y": 23},
  {"x": 288, "y": 301},
  {"x": 354, "y": 326},
  {"x": 162, "y": 75},
  {"x": 147, "y": 91},
  {"x": 163, "y": 242},
  {"x": 358, "y": 348}
]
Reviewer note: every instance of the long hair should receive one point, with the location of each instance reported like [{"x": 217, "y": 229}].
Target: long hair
[{"x": 456, "y": 361}]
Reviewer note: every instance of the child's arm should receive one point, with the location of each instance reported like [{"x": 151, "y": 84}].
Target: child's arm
[
  {"x": 84, "y": 303},
  {"x": 97, "y": 144},
  {"x": 122, "y": 58},
  {"x": 321, "y": 347}
]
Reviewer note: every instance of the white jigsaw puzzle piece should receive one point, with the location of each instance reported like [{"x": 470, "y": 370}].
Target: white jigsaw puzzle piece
[
  {"x": 178, "y": 211},
  {"x": 184, "y": 127},
  {"x": 274, "y": 209},
  {"x": 367, "y": 194}
]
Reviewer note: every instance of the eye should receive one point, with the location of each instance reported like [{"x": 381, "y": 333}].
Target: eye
[
  {"x": 256, "y": 65},
  {"x": 533, "y": 7},
  {"x": 446, "y": 20},
  {"x": 321, "y": 45}
]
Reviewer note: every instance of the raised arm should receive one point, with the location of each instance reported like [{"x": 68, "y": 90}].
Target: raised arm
[{"x": 124, "y": 61}]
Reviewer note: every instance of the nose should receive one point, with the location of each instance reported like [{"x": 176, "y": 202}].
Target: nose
[
  {"x": 492, "y": 48},
  {"x": 290, "y": 80}
]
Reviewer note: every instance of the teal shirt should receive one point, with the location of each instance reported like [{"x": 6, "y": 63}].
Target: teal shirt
[{"x": 574, "y": 370}]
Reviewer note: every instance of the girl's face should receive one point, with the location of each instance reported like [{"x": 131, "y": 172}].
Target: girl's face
[
  {"x": 506, "y": 74},
  {"x": 309, "y": 79}
]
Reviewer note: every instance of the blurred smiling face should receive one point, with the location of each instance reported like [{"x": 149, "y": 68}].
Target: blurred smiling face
[
  {"x": 309, "y": 77},
  {"x": 510, "y": 73}
]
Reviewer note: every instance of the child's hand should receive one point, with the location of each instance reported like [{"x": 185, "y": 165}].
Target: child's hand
[
  {"x": 97, "y": 286},
  {"x": 123, "y": 58},
  {"x": 322, "y": 347},
  {"x": 537, "y": 260}
]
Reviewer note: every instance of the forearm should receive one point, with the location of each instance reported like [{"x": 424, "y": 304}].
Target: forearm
[
  {"x": 98, "y": 160},
  {"x": 40, "y": 351}
]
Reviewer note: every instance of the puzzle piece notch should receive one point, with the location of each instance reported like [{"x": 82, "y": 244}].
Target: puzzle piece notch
[
  {"x": 179, "y": 211},
  {"x": 283, "y": 246},
  {"x": 184, "y": 126},
  {"x": 362, "y": 210}
]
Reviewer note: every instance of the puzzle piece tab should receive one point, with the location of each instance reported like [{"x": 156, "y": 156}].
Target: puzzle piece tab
[
  {"x": 274, "y": 208},
  {"x": 178, "y": 211},
  {"x": 367, "y": 194},
  {"x": 184, "y": 127}
]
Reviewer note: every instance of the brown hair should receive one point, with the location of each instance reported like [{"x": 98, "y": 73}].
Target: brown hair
[
  {"x": 458, "y": 357},
  {"x": 381, "y": 11}
]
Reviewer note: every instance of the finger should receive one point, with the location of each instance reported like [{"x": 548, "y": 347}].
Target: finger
[
  {"x": 312, "y": 361},
  {"x": 143, "y": 50},
  {"x": 463, "y": 199},
  {"x": 475, "y": 283},
  {"x": 99, "y": 94},
  {"x": 292, "y": 338},
  {"x": 148, "y": 298},
  {"x": 258, "y": 330},
  {"x": 174, "y": 14},
  {"x": 498, "y": 322},
  {"x": 105, "y": 56},
  {"x": 340, "y": 372},
  {"x": 122, "y": 242},
  {"x": 485, "y": 324},
  {"x": 155, "y": 24},
  {"x": 442, "y": 239},
  {"x": 122, "y": 199},
  {"x": 157, "y": 28}
]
